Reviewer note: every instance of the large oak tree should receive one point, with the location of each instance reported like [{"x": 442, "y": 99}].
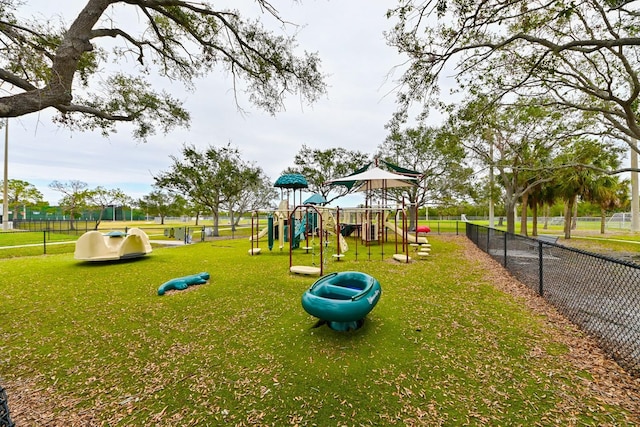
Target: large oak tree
[
  {"x": 163, "y": 204},
  {"x": 66, "y": 67},
  {"x": 210, "y": 178},
  {"x": 578, "y": 56},
  {"x": 517, "y": 141},
  {"x": 74, "y": 197}
]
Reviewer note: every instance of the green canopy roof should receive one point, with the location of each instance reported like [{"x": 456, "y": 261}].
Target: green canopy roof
[
  {"x": 316, "y": 199},
  {"x": 291, "y": 180},
  {"x": 400, "y": 169}
]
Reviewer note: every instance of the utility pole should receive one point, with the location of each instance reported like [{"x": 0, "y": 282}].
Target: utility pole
[
  {"x": 491, "y": 179},
  {"x": 5, "y": 199},
  {"x": 635, "y": 217}
]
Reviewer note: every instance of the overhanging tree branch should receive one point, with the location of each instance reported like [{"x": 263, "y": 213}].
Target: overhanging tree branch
[{"x": 186, "y": 38}]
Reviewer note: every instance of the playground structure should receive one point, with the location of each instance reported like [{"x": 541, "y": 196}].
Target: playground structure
[
  {"x": 375, "y": 182},
  {"x": 309, "y": 224},
  {"x": 322, "y": 232},
  {"x": 276, "y": 221},
  {"x": 302, "y": 227},
  {"x": 370, "y": 223},
  {"x": 114, "y": 245},
  {"x": 373, "y": 225}
]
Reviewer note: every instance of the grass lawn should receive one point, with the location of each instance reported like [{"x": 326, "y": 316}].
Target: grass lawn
[{"x": 93, "y": 344}]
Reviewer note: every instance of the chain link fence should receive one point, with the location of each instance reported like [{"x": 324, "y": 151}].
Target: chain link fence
[
  {"x": 40, "y": 236},
  {"x": 5, "y": 417},
  {"x": 76, "y": 227},
  {"x": 598, "y": 293}
]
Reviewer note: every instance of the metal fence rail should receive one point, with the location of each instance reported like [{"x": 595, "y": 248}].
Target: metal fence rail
[
  {"x": 76, "y": 227},
  {"x": 598, "y": 293}
]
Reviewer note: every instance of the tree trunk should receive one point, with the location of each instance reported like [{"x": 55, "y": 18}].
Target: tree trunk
[
  {"x": 603, "y": 220},
  {"x": 546, "y": 209},
  {"x": 412, "y": 218},
  {"x": 568, "y": 210},
  {"x": 511, "y": 216},
  {"x": 523, "y": 214},
  {"x": 216, "y": 222},
  {"x": 510, "y": 202},
  {"x": 534, "y": 219},
  {"x": 99, "y": 219},
  {"x": 635, "y": 191},
  {"x": 574, "y": 219}
]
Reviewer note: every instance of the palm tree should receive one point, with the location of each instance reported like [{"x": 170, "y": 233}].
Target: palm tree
[
  {"x": 546, "y": 196},
  {"x": 609, "y": 193},
  {"x": 589, "y": 161}
]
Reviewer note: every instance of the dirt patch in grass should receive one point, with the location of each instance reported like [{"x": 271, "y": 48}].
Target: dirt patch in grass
[
  {"x": 182, "y": 291},
  {"x": 35, "y": 406}
]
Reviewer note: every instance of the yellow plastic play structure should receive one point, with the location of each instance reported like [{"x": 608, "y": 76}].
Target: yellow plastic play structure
[{"x": 115, "y": 245}]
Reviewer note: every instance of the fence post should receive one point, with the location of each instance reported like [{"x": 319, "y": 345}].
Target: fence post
[
  {"x": 540, "y": 271},
  {"x": 488, "y": 238},
  {"x": 505, "y": 248},
  {"x": 44, "y": 241}
]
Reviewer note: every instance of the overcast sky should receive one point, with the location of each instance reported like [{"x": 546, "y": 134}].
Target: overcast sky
[{"x": 348, "y": 35}]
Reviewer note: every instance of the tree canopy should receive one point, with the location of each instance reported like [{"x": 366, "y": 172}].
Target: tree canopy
[
  {"x": 256, "y": 192},
  {"x": 437, "y": 156},
  {"x": 210, "y": 178},
  {"x": 319, "y": 166},
  {"x": 66, "y": 67},
  {"x": 162, "y": 203},
  {"x": 580, "y": 181},
  {"x": 74, "y": 196},
  {"x": 517, "y": 141},
  {"x": 21, "y": 193},
  {"x": 101, "y": 198},
  {"x": 580, "y": 57}
]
